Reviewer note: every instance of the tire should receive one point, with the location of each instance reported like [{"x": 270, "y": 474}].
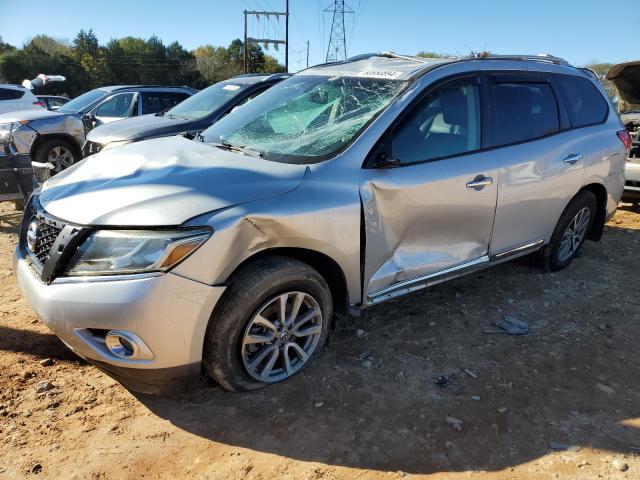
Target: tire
[
  {"x": 61, "y": 153},
  {"x": 234, "y": 324},
  {"x": 554, "y": 256}
]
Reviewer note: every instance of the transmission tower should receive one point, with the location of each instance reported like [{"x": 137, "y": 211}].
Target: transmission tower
[{"x": 337, "y": 49}]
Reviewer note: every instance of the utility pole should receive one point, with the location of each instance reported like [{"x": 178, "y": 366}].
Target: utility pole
[
  {"x": 266, "y": 41},
  {"x": 286, "y": 37},
  {"x": 246, "y": 51},
  {"x": 337, "y": 49},
  {"x": 307, "y": 53}
]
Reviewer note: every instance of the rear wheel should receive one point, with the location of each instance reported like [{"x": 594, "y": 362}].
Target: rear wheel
[
  {"x": 271, "y": 322},
  {"x": 570, "y": 232}
]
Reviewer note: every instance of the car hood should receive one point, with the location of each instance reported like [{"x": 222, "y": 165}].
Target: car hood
[
  {"x": 28, "y": 115},
  {"x": 162, "y": 182},
  {"x": 137, "y": 128},
  {"x": 626, "y": 78}
]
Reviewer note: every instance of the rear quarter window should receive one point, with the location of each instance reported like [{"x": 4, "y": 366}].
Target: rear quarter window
[
  {"x": 584, "y": 103},
  {"x": 523, "y": 111},
  {"x": 10, "y": 94}
]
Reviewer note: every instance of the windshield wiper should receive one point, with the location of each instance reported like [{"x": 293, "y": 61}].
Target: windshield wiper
[{"x": 238, "y": 148}]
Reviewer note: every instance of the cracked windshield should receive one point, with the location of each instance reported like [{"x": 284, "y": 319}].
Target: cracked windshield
[{"x": 305, "y": 119}]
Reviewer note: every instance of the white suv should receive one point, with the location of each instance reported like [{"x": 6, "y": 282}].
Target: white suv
[{"x": 16, "y": 97}]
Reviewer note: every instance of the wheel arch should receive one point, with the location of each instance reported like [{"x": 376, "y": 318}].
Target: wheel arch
[
  {"x": 326, "y": 266},
  {"x": 42, "y": 138},
  {"x": 600, "y": 192}
]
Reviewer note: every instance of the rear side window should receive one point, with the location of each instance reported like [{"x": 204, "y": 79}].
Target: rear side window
[
  {"x": 583, "y": 101},
  {"x": 155, "y": 102},
  {"x": 523, "y": 111},
  {"x": 10, "y": 94}
]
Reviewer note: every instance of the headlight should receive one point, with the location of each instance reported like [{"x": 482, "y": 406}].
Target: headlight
[
  {"x": 108, "y": 252},
  {"x": 6, "y": 129}
]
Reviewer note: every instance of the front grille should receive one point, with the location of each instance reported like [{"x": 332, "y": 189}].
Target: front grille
[
  {"x": 47, "y": 234},
  {"x": 42, "y": 232}
]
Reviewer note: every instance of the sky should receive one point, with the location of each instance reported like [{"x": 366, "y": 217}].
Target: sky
[{"x": 581, "y": 31}]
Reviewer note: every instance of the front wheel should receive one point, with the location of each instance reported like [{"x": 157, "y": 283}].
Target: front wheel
[
  {"x": 271, "y": 322},
  {"x": 570, "y": 232},
  {"x": 59, "y": 153}
]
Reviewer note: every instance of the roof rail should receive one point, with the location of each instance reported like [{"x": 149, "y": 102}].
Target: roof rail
[
  {"x": 404, "y": 57},
  {"x": 242, "y": 75},
  {"x": 542, "y": 57}
]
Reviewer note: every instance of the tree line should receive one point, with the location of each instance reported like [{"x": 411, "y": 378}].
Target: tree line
[{"x": 130, "y": 60}]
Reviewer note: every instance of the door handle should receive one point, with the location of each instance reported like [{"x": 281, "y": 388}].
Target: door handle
[
  {"x": 572, "y": 158},
  {"x": 479, "y": 182}
]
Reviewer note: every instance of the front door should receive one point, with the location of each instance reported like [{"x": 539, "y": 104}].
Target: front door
[
  {"x": 429, "y": 194},
  {"x": 117, "y": 107}
]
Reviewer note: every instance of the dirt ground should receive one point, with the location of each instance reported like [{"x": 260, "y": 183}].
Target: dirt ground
[{"x": 572, "y": 384}]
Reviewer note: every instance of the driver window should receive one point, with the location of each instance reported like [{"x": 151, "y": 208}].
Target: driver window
[
  {"x": 116, "y": 106},
  {"x": 445, "y": 123}
]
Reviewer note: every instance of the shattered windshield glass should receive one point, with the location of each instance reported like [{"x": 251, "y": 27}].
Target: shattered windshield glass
[{"x": 307, "y": 118}]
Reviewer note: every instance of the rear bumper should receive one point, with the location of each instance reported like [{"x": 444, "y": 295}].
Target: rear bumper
[
  {"x": 632, "y": 175},
  {"x": 168, "y": 313}
]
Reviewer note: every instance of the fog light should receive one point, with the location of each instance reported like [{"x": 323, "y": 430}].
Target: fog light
[{"x": 122, "y": 345}]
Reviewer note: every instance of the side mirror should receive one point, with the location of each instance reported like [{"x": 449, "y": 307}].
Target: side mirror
[
  {"x": 384, "y": 160},
  {"x": 89, "y": 122}
]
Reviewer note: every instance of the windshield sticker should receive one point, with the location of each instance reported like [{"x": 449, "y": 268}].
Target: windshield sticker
[
  {"x": 380, "y": 74},
  {"x": 233, "y": 88}
]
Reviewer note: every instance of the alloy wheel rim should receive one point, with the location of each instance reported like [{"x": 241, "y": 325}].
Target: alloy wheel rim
[
  {"x": 60, "y": 157},
  {"x": 281, "y": 337},
  {"x": 574, "y": 234}
]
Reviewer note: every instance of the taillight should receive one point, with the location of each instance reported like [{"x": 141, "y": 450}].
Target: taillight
[
  {"x": 625, "y": 137},
  {"x": 40, "y": 104}
]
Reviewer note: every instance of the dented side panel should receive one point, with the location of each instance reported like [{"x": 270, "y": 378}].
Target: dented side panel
[
  {"x": 322, "y": 215},
  {"x": 421, "y": 219}
]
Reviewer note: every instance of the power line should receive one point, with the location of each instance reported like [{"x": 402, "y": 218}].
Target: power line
[
  {"x": 337, "y": 49},
  {"x": 255, "y": 16}
]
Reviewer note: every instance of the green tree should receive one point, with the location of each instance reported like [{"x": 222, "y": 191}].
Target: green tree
[
  {"x": 5, "y": 48},
  {"x": 601, "y": 70}
]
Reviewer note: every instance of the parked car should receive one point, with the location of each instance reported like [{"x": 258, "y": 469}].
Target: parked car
[
  {"x": 189, "y": 117},
  {"x": 342, "y": 187},
  {"x": 14, "y": 98},
  {"x": 55, "y": 139},
  {"x": 53, "y": 102},
  {"x": 626, "y": 78}
]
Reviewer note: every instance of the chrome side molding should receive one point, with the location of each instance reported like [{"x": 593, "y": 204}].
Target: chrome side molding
[
  {"x": 407, "y": 286},
  {"x": 518, "y": 251}
]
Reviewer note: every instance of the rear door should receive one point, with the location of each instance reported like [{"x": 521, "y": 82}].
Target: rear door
[
  {"x": 432, "y": 214},
  {"x": 541, "y": 159},
  {"x": 156, "y": 102}
]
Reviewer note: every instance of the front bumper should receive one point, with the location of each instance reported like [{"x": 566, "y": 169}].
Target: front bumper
[
  {"x": 168, "y": 312},
  {"x": 632, "y": 174}
]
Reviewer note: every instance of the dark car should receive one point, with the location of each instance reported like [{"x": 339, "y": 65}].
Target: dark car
[
  {"x": 190, "y": 117},
  {"x": 53, "y": 140},
  {"x": 53, "y": 102}
]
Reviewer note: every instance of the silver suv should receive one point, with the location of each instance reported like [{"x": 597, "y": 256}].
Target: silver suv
[{"x": 346, "y": 185}]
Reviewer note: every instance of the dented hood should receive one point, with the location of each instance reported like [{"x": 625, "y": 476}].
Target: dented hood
[
  {"x": 626, "y": 78},
  {"x": 28, "y": 115},
  {"x": 162, "y": 182}
]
